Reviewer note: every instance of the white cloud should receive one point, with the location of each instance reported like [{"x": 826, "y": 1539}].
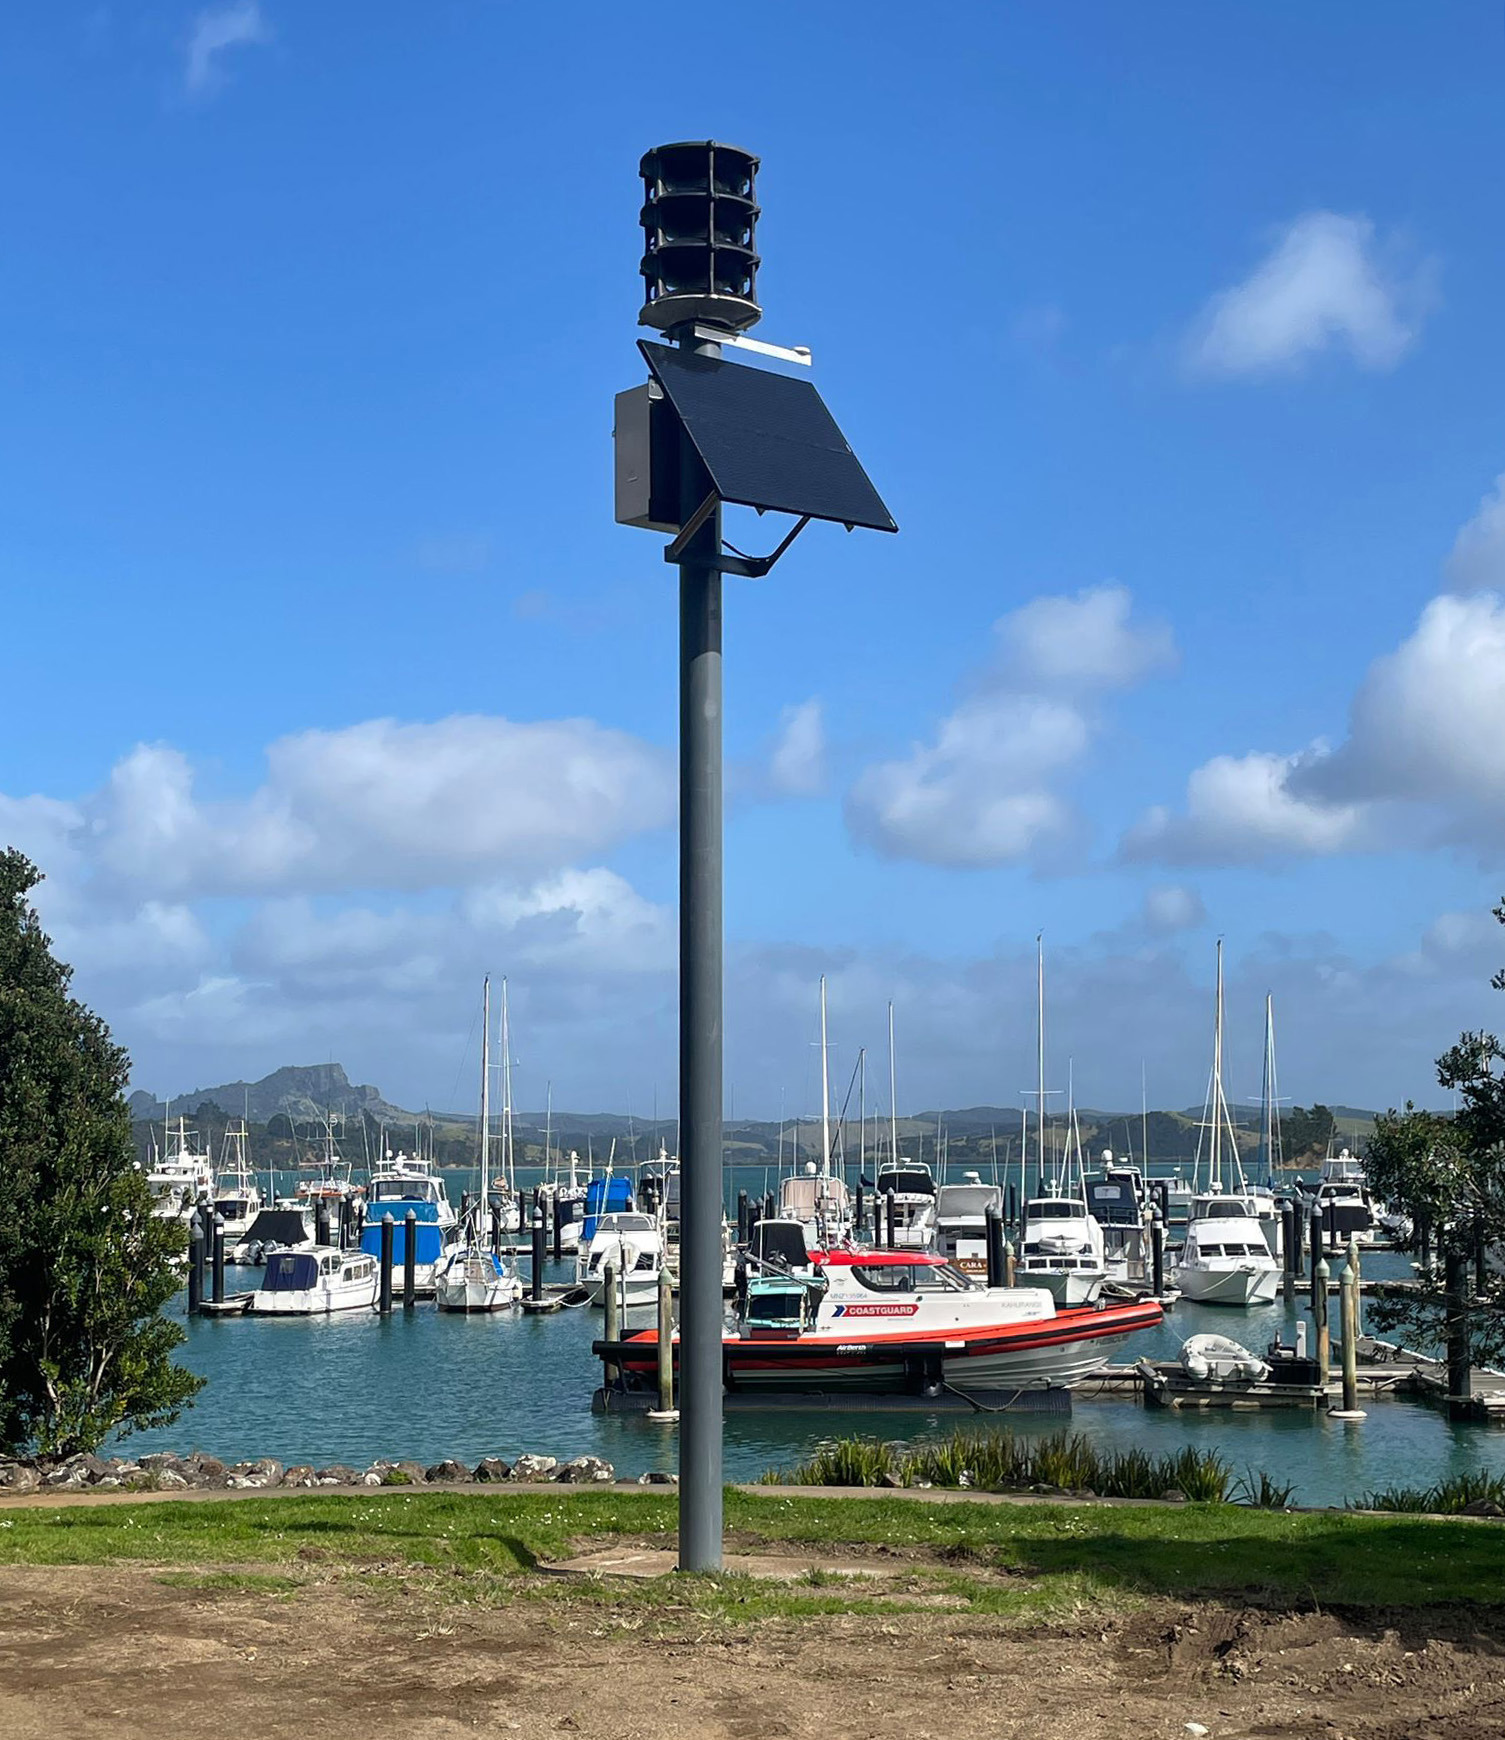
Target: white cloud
[
  {"x": 1172, "y": 906},
  {"x": 983, "y": 790},
  {"x": 381, "y": 804},
  {"x": 214, "y": 32},
  {"x": 1324, "y": 285},
  {"x": 797, "y": 766},
  {"x": 1088, "y": 638},
  {"x": 1477, "y": 563},
  {"x": 1423, "y": 763}
]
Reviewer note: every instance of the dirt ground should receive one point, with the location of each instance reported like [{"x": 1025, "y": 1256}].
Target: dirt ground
[{"x": 120, "y": 1652}]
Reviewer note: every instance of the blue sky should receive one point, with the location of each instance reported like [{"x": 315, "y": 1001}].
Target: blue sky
[{"x": 1170, "y": 334}]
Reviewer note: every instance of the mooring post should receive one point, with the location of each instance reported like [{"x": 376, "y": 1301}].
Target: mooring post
[
  {"x": 994, "y": 1248},
  {"x": 1298, "y": 1260},
  {"x": 1288, "y": 1255},
  {"x": 1314, "y": 1243},
  {"x": 1319, "y": 1318},
  {"x": 219, "y": 1260},
  {"x": 384, "y": 1302},
  {"x": 195, "y": 1266},
  {"x": 1460, "y": 1372},
  {"x": 538, "y": 1250},
  {"x": 1011, "y": 1213},
  {"x": 1008, "y": 1263},
  {"x": 609, "y": 1305},
  {"x": 891, "y": 1214},
  {"x": 1157, "y": 1252},
  {"x": 409, "y": 1260},
  {"x": 558, "y": 1226},
  {"x": 665, "y": 1343},
  {"x": 1348, "y": 1296},
  {"x": 321, "y": 1222}
]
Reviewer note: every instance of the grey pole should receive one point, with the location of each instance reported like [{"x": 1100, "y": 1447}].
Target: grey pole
[{"x": 700, "y": 1016}]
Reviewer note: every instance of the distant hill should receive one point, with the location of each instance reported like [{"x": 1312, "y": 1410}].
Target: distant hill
[{"x": 307, "y": 1092}]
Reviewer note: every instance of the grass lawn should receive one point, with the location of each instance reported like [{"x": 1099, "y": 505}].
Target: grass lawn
[{"x": 1030, "y": 1560}]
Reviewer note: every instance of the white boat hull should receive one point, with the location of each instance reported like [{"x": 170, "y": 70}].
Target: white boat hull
[
  {"x": 1065, "y": 1286},
  {"x": 314, "y": 1301},
  {"x": 641, "y": 1289},
  {"x": 1243, "y": 1284}
]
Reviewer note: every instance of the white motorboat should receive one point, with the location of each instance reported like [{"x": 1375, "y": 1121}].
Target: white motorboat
[
  {"x": 632, "y": 1243},
  {"x": 181, "y": 1176},
  {"x": 237, "y": 1195},
  {"x": 1062, "y": 1250},
  {"x": 1225, "y": 1259},
  {"x": 909, "y": 1186},
  {"x": 961, "y": 1222},
  {"x": 316, "y": 1283}
]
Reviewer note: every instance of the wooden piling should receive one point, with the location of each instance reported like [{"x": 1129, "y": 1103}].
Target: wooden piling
[
  {"x": 666, "y": 1409},
  {"x": 609, "y": 1305}
]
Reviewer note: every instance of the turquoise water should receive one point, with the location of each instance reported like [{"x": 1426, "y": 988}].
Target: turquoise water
[{"x": 428, "y": 1385}]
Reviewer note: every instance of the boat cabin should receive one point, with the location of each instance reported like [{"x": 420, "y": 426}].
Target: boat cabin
[{"x": 780, "y": 1307}]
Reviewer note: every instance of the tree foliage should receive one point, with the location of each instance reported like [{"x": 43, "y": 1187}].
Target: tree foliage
[
  {"x": 1306, "y": 1130},
  {"x": 85, "y": 1267},
  {"x": 1447, "y": 1175}
]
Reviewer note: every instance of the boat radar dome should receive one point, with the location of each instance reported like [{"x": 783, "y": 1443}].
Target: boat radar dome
[
  {"x": 809, "y": 1169},
  {"x": 1107, "y": 1156}
]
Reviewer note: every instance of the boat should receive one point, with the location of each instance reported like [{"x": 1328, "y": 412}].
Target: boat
[
  {"x": 1062, "y": 1248},
  {"x": 1225, "y": 1259},
  {"x": 897, "y": 1322},
  {"x": 1342, "y": 1199},
  {"x": 327, "y": 1178},
  {"x": 1215, "y": 1356},
  {"x": 633, "y": 1244},
  {"x": 287, "y": 1226},
  {"x": 470, "y": 1275},
  {"x": 961, "y": 1222},
  {"x": 316, "y": 1283},
  {"x": 406, "y": 1185},
  {"x": 181, "y": 1176},
  {"x": 237, "y": 1196}
]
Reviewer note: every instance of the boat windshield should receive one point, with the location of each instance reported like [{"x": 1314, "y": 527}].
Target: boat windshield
[
  {"x": 1222, "y": 1208},
  {"x": 625, "y": 1223},
  {"x": 967, "y": 1201},
  {"x": 291, "y": 1272},
  {"x": 910, "y": 1278},
  {"x": 1054, "y": 1208},
  {"x": 908, "y": 1183},
  {"x": 399, "y": 1189}
]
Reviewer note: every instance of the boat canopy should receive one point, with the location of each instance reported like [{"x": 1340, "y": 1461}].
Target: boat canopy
[
  {"x": 282, "y": 1226},
  {"x": 608, "y": 1195},
  {"x": 291, "y": 1272}
]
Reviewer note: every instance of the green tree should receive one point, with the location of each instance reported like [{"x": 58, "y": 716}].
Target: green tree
[
  {"x": 1447, "y": 1175},
  {"x": 1305, "y": 1132},
  {"x": 85, "y": 1267}
]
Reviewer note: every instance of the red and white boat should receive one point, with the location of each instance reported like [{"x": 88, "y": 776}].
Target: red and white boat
[{"x": 897, "y": 1322}]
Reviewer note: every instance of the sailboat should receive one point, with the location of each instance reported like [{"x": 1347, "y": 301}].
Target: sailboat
[
  {"x": 909, "y": 1185},
  {"x": 815, "y": 1197},
  {"x": 1063, "y": 1245},
  {"x": 470, "y": 1276},
  {"x": 1225, "y": 1259}
]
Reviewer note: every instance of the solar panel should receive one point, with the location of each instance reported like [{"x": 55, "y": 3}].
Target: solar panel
[{"x": 766, "y": 440}]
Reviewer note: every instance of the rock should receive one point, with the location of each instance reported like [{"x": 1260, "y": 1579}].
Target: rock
[
  {"x": 1173, "y": 1495},
  {"x": 163, "y": 1480},
  {"x": 404, "y": 1474},
  {"x": 108, "y": 1482},
  {"x": 81, "y": 1470},
  {"x": 337, "y": 1474},
  {"x": 493, "y": 1468},
  {"x": 657, "y": 1477},
  {"x": 1482, "y": 1507},
  {"x": 201, "y": 1470},
  {"x": 300, "y": 1474},
  {"x": 19, "y": 1477},
  {"x": 1196, "y": 1730},
  {"x": 264, "y": 1472},
  {"x": 583, "y": 1471},
  {"x": 889, "y": 1480},
  {"x": 448, "y": 1470},
  {"x": 530, "y": 1467},
  {"x": 922, "y": 1483}
]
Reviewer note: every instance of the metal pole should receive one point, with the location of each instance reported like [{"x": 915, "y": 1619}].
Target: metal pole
[
  {"x": 994, "y": 1247},
  {"x": 409, "y": 1259},
  {"x": 218, "y": 1259},
  {"x": 195, "y": 1266},
  {"x": 1157, "y": 1253},
  {"x": 1319, "y": 1315},
  {"x": 700, "y": 1016},
  {"x": 385, "y": 1296},
  {"x": 538, "y": 1250}
]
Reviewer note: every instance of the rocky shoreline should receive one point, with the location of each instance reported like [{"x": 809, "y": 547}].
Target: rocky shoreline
[{"x": 165, "y": 1472}]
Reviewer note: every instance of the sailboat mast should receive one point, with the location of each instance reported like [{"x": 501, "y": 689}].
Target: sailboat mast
[
  {"x": 485, "y": 1090},
  {"x": 1217, "y": 1080},
  {"x": 825, "y": 1088},
  {"x": 508, "y": 1171},
  {"x": 1040, "y": 1058},
  {"x": 893, "y": 1096},
  {"x": 861, "y": 1114},
  {"x": 548, "y": 1127}
]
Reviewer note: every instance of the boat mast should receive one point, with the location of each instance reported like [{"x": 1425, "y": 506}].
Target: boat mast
[
  {"x": 825, "y": 1089},
  {"x": 1215, "y": 1167},
  {"x": 507, "y": 1167},
  {"x": 893, "y": 1097},
  {"x": 485, "y": 1090},
  {"x": 1040, "y": 1062},
  {"x": 861, "y": 1114},
  {"x": 548, "y": 1130}
]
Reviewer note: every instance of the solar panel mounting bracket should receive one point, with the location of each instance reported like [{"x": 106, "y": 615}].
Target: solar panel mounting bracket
[{"x": 746, "y": 567}]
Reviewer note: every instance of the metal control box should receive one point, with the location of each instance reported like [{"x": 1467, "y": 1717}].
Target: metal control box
[{"x": 646, "y": 439}]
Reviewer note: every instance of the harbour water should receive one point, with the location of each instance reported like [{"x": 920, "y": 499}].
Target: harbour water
[{"x": 427, "y": 1385}]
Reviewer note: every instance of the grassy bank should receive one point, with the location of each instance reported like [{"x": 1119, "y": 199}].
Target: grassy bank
[{"x": 1033, "y": 1560}]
